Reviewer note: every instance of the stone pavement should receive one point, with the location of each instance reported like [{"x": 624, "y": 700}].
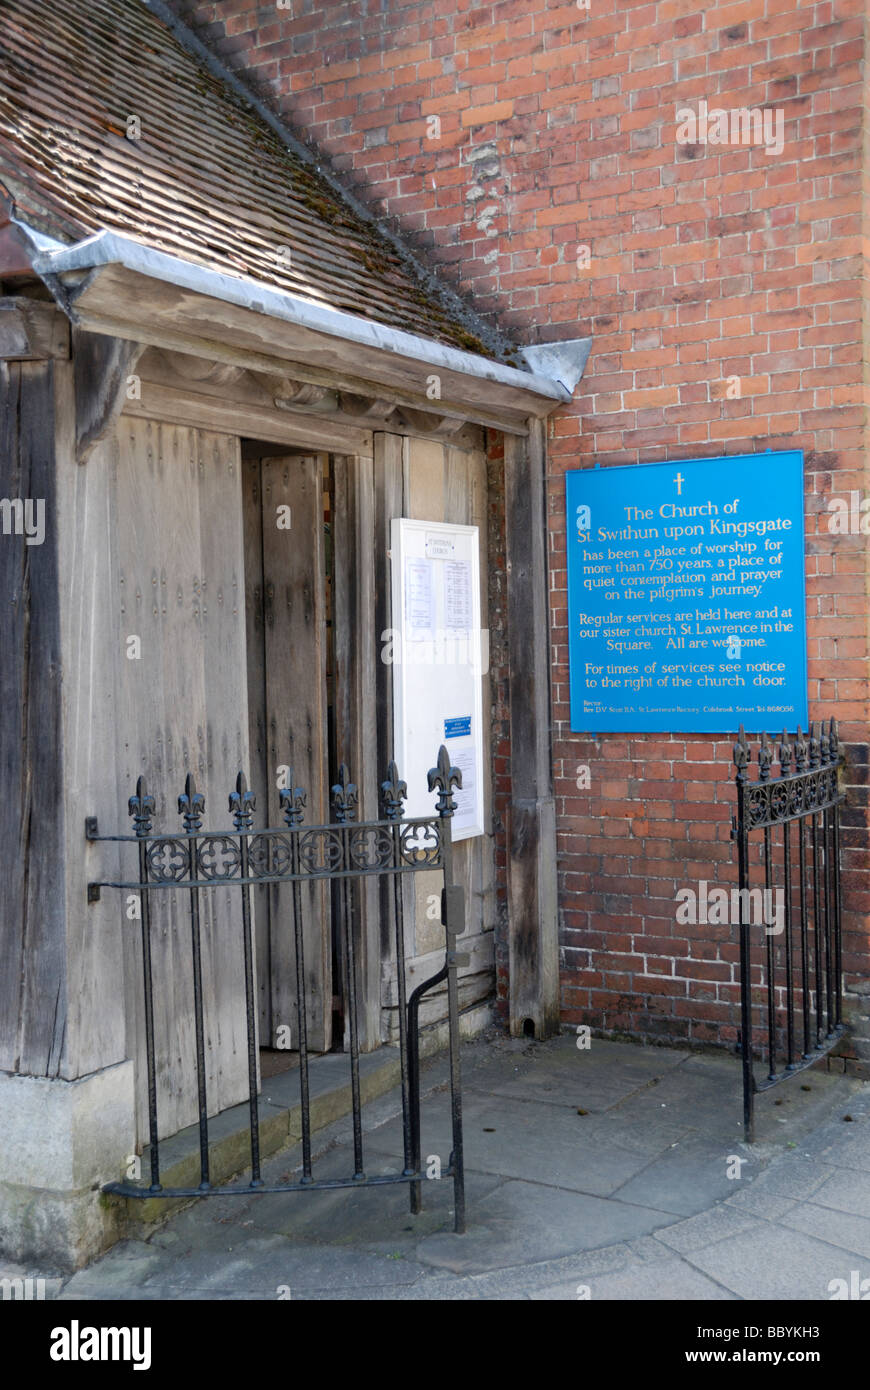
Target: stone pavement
[{"x": 600, "y": 1174}]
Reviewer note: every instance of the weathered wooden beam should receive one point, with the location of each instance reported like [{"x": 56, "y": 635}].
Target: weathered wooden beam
[
  {"x": 355, "y": 663},
  {"x": 422, "y": 422},
  {"x": 389, "y": 502},
  {"x": 180, "y": 406},
  {"x": 33, "y": 977},
  {"x": 217, "y": 395},
  {"x": 533, "y": 921},
  {"x": 32, "y": 330},
  {"x": 214, "y": 395},
  {"x": 300, "y": 368}
]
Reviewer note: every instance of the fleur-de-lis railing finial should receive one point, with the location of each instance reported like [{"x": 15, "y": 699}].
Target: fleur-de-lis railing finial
[
  {"x": 834, "y": 742},
  {"x": 765, "y": 758},
  {"x": 292, "y": 801},
  {"x": 785, "y": 754},
  {"x": 814, "y": 746},
  {"x": 191, "y": 805},
  {"x": 344, "y": 796},
  {"x": 393, "y": 793},
  {"x": 443, "y": 778},
  {"x": 800, "y": 751},
  {"x": 741, "y": 754},
  {"x": 824, "y": 747},
  {"x": 141, "y": 808},
  {"x": 242, "y": 805}
]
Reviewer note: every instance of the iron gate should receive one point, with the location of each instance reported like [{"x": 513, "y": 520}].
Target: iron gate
[
  {"x": 802, "y": 955},
  {"x": 345, "y": 850}
]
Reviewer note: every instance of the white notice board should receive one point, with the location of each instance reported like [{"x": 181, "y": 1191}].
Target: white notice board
[{"x": 436, "y": 652}]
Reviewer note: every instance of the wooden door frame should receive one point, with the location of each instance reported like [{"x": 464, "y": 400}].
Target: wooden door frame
[
  {"x": 367, "y": 493},
  {"x": 299, "y": 740},
  {"x": 532, "y": 884}
]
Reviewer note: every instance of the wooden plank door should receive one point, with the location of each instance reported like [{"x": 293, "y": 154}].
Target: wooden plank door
[
  {"x": 167, "y": 497},
  {"x": 287, "y": 699}
]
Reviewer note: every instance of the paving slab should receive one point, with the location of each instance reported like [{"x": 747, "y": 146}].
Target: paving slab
[
  {"x": 647, "y": 1137},
  {"x": 779, "y": 1264},
  {"x": 523, "y": 1279},
  {"x": 846, "y": 1151},
  {"x": 845, "y": 1190},
  {"x": 526, "y": 1139},
  {"x": 594, "y": 1080},
  {"x": 799, "y": 1177},
  {"x": 689, "y": 1177},
  {"x": 671, "y": 1280},
  {"x": 769, "y": 1205},
  {"x": 699, "y": 1232},
  {"x": 837, "y": 1228},
  {"x": 523, "y": 1222}
]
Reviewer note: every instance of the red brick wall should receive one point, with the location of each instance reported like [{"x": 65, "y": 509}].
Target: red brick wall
[{"x": 557, "y": 131}]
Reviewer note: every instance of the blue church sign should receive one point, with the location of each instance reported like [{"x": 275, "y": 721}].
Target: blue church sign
[{"x": 686, "y": 608}]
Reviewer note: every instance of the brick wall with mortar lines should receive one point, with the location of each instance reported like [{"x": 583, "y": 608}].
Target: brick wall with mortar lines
[{"x": 558, "y": 132}]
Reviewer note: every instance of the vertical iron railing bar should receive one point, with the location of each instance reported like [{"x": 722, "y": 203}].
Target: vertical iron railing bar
[
  {"x": 800, "y": 766},
  {"x": 741, "y": 760},
  {"x": 789, "y": 948},
  {"x": 830, "y": 948},
  {"x": 414, "y": 1079},
  {"x": 141, "y": 808},
  {"x": 824, "y": 758},
  {"x": 765, "y": 757},
  {"x": 818, "y": 934},
  {"x": 191, "y": 805},
  {"x": 292, "y": 802},
  {"x": 785, "y": 764},
  {"x": 393, "y": 792},
  {"x": 242, "y": 803},
  {"x": 444, "y": 778},
  {"x": 838, "y": 891},
  {"x": 345, "y": 800}
]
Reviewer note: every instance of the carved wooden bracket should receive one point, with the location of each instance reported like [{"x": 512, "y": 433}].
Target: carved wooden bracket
[
  {"x": 191, "y": 368},
  {"x": 102, "y": 372},
  {"x": 366, "y": 407},
  {"x": 422, "y": 422},
  {"x": 295, "y": 393}
]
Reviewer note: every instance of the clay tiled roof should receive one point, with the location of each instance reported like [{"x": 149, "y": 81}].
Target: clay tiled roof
[{"x": 207, "y": 180}]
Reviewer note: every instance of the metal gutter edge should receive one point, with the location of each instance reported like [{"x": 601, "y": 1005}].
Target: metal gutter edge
[
  {"x": 563, "y": 362},
  {"x": 108, "y": 248}
]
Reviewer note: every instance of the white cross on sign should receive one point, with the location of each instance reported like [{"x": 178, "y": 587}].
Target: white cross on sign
[{"x": 679, "y": 480}]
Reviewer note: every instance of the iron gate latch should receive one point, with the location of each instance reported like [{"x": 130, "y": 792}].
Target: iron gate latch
[
  {"x": 453, "y": 910},
  {"x": 453, "y": 919}
]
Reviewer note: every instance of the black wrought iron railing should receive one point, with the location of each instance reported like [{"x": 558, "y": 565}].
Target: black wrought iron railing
[{"x": 196, "y": 860}]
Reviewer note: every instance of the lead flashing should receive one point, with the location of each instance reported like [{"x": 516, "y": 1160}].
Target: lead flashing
[{"x": 108, "y": 248}]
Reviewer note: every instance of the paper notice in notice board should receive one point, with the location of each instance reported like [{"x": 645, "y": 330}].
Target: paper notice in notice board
[
  {"x": 465, "y": 760},
  {"x": 419, "y": 600},
  {"x": 457, "y": 596}
]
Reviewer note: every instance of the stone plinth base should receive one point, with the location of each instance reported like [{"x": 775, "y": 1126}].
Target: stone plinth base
[{"x": 59, "y": 1142}]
